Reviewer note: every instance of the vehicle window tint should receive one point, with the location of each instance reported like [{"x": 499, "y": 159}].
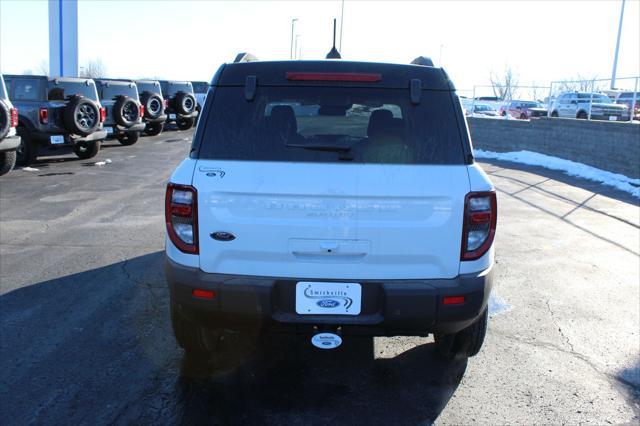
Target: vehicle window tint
[
  {"x": 173, "y": 88},
  {"x": 64, "y": 90},
  {"x": 200, "y": 86},
  {"x": 321, "y": 124},
  {"x": 112, "y": 91},
  {"x": 25, "y": 89},
  {"x": 148, "y": 87}
]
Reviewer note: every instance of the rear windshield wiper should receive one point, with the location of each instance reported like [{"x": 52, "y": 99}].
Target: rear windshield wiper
[{"x": 327, "y": 148}]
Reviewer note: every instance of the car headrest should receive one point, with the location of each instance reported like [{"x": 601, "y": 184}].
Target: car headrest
[
  {"x": 283, "y": 117},
  {"x": 381, "y": 120}
]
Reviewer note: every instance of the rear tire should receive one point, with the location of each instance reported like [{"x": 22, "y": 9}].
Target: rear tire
[
  {"x": 7, "y": 162},
  {"x": 129, "y": 138},
  {"x": 190, "y": 336},
  {"x": 185, "y": 123},
  {"x": 27, "y": 152},
  {"x": 465, "y": 343},
  {"x": 582, "y": 115},
  {"x": 86, "y": 150},
  {"x": 153, "y": 129},
  {"x": 554, "y": 114}
]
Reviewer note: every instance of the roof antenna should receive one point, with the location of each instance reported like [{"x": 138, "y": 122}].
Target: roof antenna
[{"x": 333, "y": 53}]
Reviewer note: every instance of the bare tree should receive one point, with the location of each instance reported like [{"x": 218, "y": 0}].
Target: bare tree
[
  {"x": 94, "y": 68},
  {"x": 504, "y": 85},
  {"x": 581, "y": 83},
  {"x": 42, "y": 68}
]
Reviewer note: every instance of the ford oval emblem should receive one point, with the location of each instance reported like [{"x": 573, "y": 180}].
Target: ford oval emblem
[
  {"x": 223, "y": 236},
  {"x": 326, "y": 340},
  {"x": 327, "y": 303}
]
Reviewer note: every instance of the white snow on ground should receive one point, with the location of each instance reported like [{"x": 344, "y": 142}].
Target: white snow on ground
[{"x": 571, "y": 168}]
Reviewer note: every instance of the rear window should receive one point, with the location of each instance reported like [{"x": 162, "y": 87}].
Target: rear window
[
  {"x": 112, "y": 91},
  {"x": 170, "y": 88},
  {"x": 3, "y": 90},
  {"x": 200, "y": 86},
  {"x": 321, "y": 124},
  {"x": 148, "y": 87},
  {"x": 25, "y": 89},
  {"x": 64, "y": 89}
]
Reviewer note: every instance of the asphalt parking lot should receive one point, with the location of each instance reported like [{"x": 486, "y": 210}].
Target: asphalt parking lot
[{"x": 85, "y": 334}]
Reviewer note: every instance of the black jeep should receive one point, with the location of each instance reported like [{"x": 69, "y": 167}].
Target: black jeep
[
  {"x": 54, "y": 113},
  {"x": 124, "y": 111},
  {"x": 182, "y": 103},
  {"x": 154, "y": 106}
]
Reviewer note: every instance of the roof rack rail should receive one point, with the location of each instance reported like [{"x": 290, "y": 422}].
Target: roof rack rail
[
  {"x": 422, "y": 60},
  {"x": 245, "y": 57}
]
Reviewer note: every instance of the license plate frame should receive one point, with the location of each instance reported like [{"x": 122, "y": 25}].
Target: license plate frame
[
  {"x": 109, "y": 130},
  {"x": 613, "y": 118},
  {"x": 328, "y": 298},
  {"x": 172, "y": 116}
]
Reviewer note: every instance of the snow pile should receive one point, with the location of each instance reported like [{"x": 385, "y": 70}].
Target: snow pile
[
  {"x": 30, "y": 169},
  {"x": 102, "y": 163},
  {"x": 618, "y": 181}
]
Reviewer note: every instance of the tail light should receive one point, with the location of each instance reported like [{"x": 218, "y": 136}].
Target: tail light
[
  {"x": 479, "y": 228},
  {"x": 181, "y": 216},
  {"x": 141, "y": 109},
  {"x": 43, "y": 113},
  {"x": 14, "y": 117},
  {"x": 103, "y": 114},
  {"x": 165, "y": 103}
]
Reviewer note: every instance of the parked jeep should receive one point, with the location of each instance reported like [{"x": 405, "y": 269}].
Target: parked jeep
[
  {"x": 123, "y": 110},
  {"x": 154, "y": 106},
  {"x": 200, "y": 89},
  {"x": 334, "y": 199},
  {"x": 55, "y": 113},
  {"x": 9, "y": 139},
  {"x": 583, "y": 105},
  {"x": 182, "y": 103}
]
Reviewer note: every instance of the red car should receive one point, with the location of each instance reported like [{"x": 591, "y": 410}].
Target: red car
[
  {"x": 626, "y": 98},
  {"x": 523, "y": 110}
]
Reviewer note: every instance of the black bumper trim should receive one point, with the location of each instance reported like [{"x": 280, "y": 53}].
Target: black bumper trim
[{"x": 389, "y": 307}]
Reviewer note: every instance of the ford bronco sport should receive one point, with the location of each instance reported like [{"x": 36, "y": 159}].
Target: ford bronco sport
[
  {"x": 9, "y": 140},
  {"x": 54, "y": 113},
  {"x": 123, "y": 109},
  {"x": 581, "y": 105},
  {"x": 330, "y": 198},
  {"x": 154, "y": 106},
  {"x": 182, "y": 103}
]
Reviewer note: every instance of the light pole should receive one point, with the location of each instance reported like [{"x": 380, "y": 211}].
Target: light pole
[
  {"x": 295, "y": 46},
  {"x": 615, "y": 57},
  {"x": 341, "y": 23},
  {"x": 293, "y": 22}
]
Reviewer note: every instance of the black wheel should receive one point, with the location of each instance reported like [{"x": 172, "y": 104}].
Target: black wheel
[
  {"x": 554, "y": 114},
  {"x": 86, "y": 150},
  {"x": 153, "y": 105},
  {"x": 184, "y": 103},
  {"x": 129, "y": 138},
  {"x": 125, "y": 111},
  {"x": 582, "y": 115},
  {"x": 81, "y": 116},
  {"x": 185, "y": 123},
  {"x": 7, "y": 161},
  {"x": 27, "y": 152},
  {"x": 465, "y": 343},
  {"x": 503, "y": 114},
  {"x": 153, "y": 129},
  {"x": 523, "y": 116},
  {"x": 5, "y": 119}
]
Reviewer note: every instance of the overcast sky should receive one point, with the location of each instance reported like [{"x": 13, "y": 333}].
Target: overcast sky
[{"x": 540, "y": 40}]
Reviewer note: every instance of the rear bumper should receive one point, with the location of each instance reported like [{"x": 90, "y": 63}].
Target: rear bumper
[
  {"x": 389, "y": 308},
  {"x": 10, "y": 143},
  {"x": 44, "y": 138},
  {"x": 159, "y": 119},
  {"x": 178, "y": 116},
  {"x": 121, "y": 130}
]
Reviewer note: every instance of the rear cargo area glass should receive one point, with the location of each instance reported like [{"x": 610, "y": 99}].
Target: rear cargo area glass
[{"x": 332, "y": 124}]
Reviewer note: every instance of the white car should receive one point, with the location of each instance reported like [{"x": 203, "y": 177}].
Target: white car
[
  {"x": 596, "y": 106},
  {"x": 333, "y": 198},
  {"x": 200, "y": 89}
]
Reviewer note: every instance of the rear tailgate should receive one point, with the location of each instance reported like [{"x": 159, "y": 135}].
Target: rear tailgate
[{"x": 333, "y": 221}]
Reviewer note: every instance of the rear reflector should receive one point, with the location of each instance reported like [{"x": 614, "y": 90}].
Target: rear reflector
[
  {"x": 141, "y": 108},
  {"x": 203, "y": 294},
  {"x": 453, "y": 300},
  {"x": 103, "y": 114},
  {"x": 333, "y": 76}
]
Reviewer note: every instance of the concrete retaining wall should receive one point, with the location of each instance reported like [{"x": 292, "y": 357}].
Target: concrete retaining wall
[{"x": 606, "y": 145}]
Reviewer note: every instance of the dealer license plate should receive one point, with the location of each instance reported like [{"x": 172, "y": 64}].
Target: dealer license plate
[
  {"x": 109, "y": 130},
  {"x": 56, "y": 139},
  {"x": 613, "y": 118},
  {"x": 172, "y": 116},
  {"x": 324, "y": 298}
]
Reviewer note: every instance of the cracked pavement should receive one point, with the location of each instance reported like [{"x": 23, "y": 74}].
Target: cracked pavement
[{"x": 85, "y": 335}]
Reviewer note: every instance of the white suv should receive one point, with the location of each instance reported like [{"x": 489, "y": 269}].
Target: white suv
[
  {"x": 579, "y": 104},
  {"x": 330, "y": 198}
]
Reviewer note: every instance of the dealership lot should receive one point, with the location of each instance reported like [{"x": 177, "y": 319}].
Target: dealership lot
[{"x": 85, "y": 334}]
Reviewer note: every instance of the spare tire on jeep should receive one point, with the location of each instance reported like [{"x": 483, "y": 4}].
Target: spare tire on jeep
[
  {"x": 81, "y": 115},
  {"x": 5, "y": 119},
  {"x": 152, "y": 105},
  {"x": 184, "y": 103},
  {"x": 125, "y": 111}
]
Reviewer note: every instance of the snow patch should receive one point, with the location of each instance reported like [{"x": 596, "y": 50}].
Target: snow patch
[
  {"x": 497, "y": 306},
  {"x": 571, "y": 168},
  {"x": 30, "y": 169},
  {"x": 103, "y": 163}
]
